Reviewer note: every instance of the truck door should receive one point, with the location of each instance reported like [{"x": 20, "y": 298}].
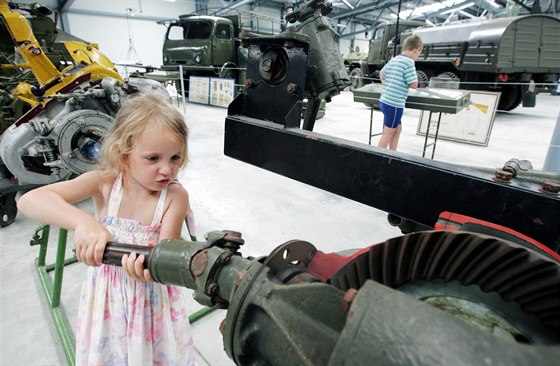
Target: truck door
[
  {"x": 223, "y": 44},
  {"x": 376, "y": 47}
]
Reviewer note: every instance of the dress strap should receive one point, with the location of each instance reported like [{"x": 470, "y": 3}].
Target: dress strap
[
  {"x": 115, "y": 197},
  {"x": 158, "y": 215}
]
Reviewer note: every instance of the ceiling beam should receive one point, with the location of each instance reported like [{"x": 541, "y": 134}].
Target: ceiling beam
[{"x": 232, "y": 6}]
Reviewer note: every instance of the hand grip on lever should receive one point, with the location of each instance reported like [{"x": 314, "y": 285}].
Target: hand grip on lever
[{"x": 114, "y": 252}]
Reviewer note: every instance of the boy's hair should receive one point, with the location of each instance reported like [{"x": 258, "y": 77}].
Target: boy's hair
[
  {"x": 151, "y": 109},
  {"x": 412, "y": 42}
]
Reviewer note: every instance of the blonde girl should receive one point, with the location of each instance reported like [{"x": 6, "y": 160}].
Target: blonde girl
[{"x": 124, "y": 317}]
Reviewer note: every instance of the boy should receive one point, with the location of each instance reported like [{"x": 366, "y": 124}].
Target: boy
[{"x": 397, "y": 76}]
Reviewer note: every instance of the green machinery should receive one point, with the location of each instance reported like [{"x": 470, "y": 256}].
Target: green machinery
[{"x": 382, "y": 304}]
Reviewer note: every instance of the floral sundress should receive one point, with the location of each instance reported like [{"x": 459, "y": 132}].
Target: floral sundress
[{"x": 122, "y": 321}]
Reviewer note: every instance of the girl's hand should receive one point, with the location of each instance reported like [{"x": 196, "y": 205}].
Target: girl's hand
[
  {"x": 133, "y": 266},
  {"x": 90, "y": 238}
]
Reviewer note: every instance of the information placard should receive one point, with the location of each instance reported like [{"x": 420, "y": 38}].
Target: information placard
[
  {"x": 472, "y": 125},
  {"x": 199, "y": 89},
  {"x": 222, "y": 91}
]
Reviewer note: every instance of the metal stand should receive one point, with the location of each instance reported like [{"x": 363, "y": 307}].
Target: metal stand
[
  {"x": 53, "y": 287},
  {"x": 428, "y": 134},
  {"x": 371, "y": 126}
]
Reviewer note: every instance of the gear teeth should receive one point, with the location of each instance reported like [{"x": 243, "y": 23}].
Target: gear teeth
[{"x": 528, "y": 278}]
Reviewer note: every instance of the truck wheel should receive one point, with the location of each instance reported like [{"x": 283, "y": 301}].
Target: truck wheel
[
  {"x": 227, "y": 73},
  {"x": 423, "y": 78},
  {"x": 357, "y": 79},
  {"x": 511, "y": 97}
]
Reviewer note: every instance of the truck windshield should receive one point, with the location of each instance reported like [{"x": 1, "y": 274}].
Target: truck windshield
[{"x": 198, "y": 29}]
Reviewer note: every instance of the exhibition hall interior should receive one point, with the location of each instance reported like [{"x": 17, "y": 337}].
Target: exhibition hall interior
[{"x": 321, "y": 231}]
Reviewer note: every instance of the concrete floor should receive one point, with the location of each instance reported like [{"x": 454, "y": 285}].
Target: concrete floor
[{"x": 268, "y": 209}]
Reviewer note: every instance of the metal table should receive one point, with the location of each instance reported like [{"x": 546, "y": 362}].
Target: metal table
[{"x": 433, "y": 100}]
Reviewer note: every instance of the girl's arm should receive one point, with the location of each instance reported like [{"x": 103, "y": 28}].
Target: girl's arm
[
  {"x": 52, "y": 204},
  {"x": 174, "y": 216}
]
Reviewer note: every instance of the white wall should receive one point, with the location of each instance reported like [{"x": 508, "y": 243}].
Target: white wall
[{"x": 106, "y": 23}]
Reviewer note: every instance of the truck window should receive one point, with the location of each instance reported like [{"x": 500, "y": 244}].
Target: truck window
[
  {"x": 223, "y": 31},
  {"x": 198, "y": 30},
  {"x": 175, "y": 32}
]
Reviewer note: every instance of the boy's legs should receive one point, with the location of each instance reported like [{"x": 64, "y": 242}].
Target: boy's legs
[
  {"x": 391, "y": 126},
  {"x": 395, "y": 139}
]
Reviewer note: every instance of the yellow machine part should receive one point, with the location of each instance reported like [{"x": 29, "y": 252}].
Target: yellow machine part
[
  {"x": 89, "y": 54},
  {"x": 27, "y": 45},
  {"x": 86, "y": 57}
]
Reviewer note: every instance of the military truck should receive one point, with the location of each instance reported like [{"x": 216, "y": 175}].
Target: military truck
[
  {"x": 503, "y": 54},
  {"x": 205, "y": 46}
]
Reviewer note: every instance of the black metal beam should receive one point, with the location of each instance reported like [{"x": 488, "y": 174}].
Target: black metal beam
[{"x": 411, "y": 187}]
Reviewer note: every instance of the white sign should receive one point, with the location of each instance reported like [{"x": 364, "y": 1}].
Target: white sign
[
  {"x": 199, "y": 89},
  {"x": 222, "y": 91},
  {"x": 471, "y": 125}
]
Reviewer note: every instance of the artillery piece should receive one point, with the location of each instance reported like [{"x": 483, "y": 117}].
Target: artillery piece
[{"x": 66, "y": 112}]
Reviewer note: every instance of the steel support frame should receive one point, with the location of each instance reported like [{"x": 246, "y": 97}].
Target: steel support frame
[
  {"x": 53, "y": 286},
  {"x": 411, "y": 187}
]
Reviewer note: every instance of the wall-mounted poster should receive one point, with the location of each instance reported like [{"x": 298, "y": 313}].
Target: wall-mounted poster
[
  {"x": 199, "y": 89},
  {"x": 222, "y": 91},
  {"x": 471, "y": 125}
]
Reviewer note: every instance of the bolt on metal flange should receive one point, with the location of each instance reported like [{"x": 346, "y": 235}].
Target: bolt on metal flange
[
  {"x": 550, "y": 187},
  {"x": 502, "y": 176}
]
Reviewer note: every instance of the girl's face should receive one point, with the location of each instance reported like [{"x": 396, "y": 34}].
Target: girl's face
[{"x": 155, "y": 159}]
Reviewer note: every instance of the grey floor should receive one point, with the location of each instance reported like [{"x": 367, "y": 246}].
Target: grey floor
[{"x": 268, "y": 209}]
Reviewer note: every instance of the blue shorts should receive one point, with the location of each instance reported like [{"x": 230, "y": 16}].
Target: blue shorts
[{"x": 391, "y": 115}]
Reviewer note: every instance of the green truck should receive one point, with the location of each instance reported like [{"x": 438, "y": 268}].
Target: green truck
[
  {"x": 205, "y": 46},
  {"x": 504, "y": 55}
]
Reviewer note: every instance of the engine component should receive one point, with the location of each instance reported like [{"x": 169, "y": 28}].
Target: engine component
[
  {"x": 469, "y": 297},
  {"x": 67, "y": 112},
  {"x": 63, "y": 138}
]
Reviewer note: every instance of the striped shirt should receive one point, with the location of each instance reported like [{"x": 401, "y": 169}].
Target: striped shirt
[{"x": 398, "y": 74}]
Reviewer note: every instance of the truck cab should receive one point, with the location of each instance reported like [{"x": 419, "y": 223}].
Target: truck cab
[
  {"x": 382, "y": 43},
  {"x": 381, "y": 46},
  {"x": 203, "y": 44}
]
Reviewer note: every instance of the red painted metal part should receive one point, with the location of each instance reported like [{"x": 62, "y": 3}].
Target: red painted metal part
[
  {"x": 452, "y": 222},
  {"x": 325, "y": 265}
]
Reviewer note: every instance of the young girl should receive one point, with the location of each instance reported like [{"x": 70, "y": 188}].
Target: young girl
[{"x": 124, "y": 318}]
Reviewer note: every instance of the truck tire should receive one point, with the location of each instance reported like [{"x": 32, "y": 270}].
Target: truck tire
[
  {"x": 423, "y": 78},
  {"x": 356, "y": 78},
  {"x": 510, "y": 98}
]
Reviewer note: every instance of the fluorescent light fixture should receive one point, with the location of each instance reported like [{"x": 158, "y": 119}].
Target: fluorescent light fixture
[
  {"x": 432, "y": 8},
  {"x": 467, "y": 5},
  {"x": 345, "y": 2}
]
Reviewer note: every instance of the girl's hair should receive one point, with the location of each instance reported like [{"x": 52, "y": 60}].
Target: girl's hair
[{"x": 148, "y": 109}]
